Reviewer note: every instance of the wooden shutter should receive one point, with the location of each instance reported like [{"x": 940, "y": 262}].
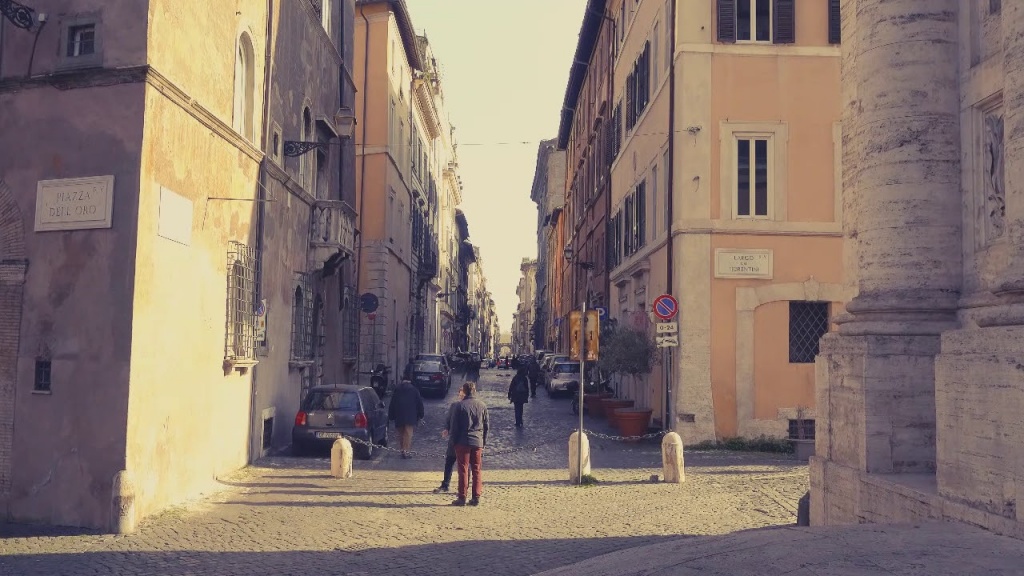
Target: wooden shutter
[
  {"x": 784, "y": 16},
  {"x": 727, "y": 21},
  {"x": 835, "y": 25}
]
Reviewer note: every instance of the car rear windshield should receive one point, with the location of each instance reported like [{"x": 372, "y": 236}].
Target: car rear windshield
[
  {"x": 322, "y": 400},
  {"x": 428, "y": 367},
  {"x": 567, "y": 368}
]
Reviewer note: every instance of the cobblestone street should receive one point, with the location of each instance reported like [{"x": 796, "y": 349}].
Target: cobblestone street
[{"x": 288, "y": 516}]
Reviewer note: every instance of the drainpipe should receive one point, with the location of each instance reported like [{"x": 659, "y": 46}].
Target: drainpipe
[
  {"x": 261, "y": 210},
  {"x": 670, "y": 188},
  {"x": 362, "y": 183}
]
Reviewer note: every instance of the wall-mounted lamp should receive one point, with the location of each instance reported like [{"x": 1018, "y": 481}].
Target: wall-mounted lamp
[{"x": 344, "y": 122}]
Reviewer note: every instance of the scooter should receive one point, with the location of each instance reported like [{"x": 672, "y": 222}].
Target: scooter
[{"x": 379, "y": 377}]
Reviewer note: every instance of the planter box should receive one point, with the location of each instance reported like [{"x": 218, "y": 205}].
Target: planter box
[
  {"x": 610, "y": 405},
  {"x": 803, "y": 449},
  {"x": 633, "y": 421},
  {"x": 593, "y": 403}
]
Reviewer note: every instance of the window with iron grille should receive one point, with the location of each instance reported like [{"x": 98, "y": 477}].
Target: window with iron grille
[
  {"x": 808, "y": 322},
  {"x": 801, "y": 429},
  {"x": 43, "y": 375},
  {"x": 240, "y": 325},
  {"x": 302, "y": 318}
]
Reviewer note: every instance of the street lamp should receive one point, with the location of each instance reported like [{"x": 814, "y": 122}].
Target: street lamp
[
  {"x": 344, "y": 122},
  {"x": 20, "y": 15},
  {"x": 588, "y": 266}
]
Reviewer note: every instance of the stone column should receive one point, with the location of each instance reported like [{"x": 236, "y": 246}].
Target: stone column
[
  {"x": 901, "y": 168},
  {"x": 1010, "y": 284}
]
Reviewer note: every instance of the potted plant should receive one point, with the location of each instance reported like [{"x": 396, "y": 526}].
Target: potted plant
[
  {"x": 803, "y": 443},
  {"x": 627, "y": 352}
]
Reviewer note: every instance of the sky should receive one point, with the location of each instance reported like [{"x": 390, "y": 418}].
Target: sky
[{"x": 504, "y": 68}]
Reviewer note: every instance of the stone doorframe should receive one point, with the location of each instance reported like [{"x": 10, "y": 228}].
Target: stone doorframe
[
  {"x": 747, "y": 301},
  {"x": 13, "y": 266}
]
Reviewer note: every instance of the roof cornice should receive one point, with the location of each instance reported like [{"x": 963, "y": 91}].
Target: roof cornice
[
  {"x": 590, "y": 30},
  {"x": 405, "y": 28}
]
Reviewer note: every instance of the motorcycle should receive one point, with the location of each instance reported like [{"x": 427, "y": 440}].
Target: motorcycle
[
  {"x": 591, "y": 388},
  {"x": 379, "y": 377}
]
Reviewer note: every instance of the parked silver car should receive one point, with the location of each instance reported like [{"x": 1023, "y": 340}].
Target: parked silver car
[
  {"x": 563, "y": 377},
  {"x": 330, "y": 412}
]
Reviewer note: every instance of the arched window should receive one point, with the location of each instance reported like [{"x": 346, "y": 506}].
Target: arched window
[{"x": 245, "y": 84}]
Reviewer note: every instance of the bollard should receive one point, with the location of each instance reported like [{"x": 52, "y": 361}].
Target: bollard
[
  {"x": 672, "y": 458},
  {"x": 341, "y": 458},
  {"x": 574, "y": 475},
  {"x": 122, "y": 504}
]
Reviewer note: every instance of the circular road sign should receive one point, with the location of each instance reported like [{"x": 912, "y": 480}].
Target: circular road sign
[
  {"x": 666, "y": 307},
  {"x": 368, "y": 302}
]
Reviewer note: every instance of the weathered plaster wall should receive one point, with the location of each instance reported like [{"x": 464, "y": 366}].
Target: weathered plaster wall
[
  {"x": 68, "y": 445},
  {"x": 188, "y": 417}
]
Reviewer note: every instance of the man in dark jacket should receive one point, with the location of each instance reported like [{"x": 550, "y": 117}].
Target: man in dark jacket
[
  {"x": 519, "y": 393},
  {"x": 533, "y": 371},
  {"x": 469, "y": 434},
  {"x": 449, "y": 457},
  {"x": 406, "y": 410}
]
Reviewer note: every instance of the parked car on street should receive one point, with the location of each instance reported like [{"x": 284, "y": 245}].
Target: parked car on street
[
  {"x": 502, "y": 364},
  {"x": 430, "y": 376},
  {"x": 330, "y": 412},
  {"x": 563, "y": 377},
  {"x": 436, "y": 358}
]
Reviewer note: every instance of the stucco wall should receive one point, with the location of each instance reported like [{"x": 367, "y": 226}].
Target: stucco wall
[
  {"x": 67, "y": 445},
  {"x": 188, "y": 416}
]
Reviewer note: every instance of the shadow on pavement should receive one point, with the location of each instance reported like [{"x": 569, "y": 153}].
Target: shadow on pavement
[{"x": 451, "y": 558}]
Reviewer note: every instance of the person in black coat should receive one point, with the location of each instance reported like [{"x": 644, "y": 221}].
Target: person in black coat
[
  {"x": 406, "y": 410},
  {"x": 533, "y": 372},
  {"x": 519, "y": 393}
]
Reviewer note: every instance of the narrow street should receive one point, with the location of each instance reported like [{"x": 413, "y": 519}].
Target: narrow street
[{"x": 288, "y": 516}]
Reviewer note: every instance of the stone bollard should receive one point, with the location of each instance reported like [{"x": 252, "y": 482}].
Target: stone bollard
[
  {"x": 574, "y": 474},
  {"x": 122, "y": 504},
  {"x": 341, "y": 458},
  {"x": 803, "y": 510},
  {"x": 672, "y": 458}
]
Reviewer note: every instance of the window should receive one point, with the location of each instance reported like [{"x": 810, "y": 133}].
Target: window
[
  {"x": 302, "y": 319},
  {"x": 808, "y": 322},
  {"x": 655, "y": 63},
  {"x": 654, "y": 203},
  {"x": 240, "y": 341},
  {"x": 669, "y": 31},
  {"x": 757, "y": 21},
  {"x": 42, "y": 381},
  {"x": 835, "y": 27},
  {"x": 306, "y": 135},
  {"x": 242, "y": 120},
  {"x": 81, "y": 40},
  {"x": 638, "y": 88},
  {"x": 994, "y": 6},
  {"x": 801, "y": 429},
  {"x": 668, "y": 215},
  {"x": 752, "y": 178}
]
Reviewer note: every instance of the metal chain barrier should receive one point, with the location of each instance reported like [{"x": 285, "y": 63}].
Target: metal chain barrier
[{"x": 505, "y": 451}]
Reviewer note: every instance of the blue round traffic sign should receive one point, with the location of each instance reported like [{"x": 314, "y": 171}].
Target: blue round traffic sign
[
  {"x": 666, "y": 307},
  {"x": 368, "y": 302}
]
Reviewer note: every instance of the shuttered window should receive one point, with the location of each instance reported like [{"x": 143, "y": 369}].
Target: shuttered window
[
  {"x": 757, "y": 21},
  {"x": 835, "y": 27}
]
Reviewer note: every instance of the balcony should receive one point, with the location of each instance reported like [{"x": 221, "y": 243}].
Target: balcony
[{"x": 331, "y": 229}]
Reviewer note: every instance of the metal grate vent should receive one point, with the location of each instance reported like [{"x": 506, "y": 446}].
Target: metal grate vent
[
  {"x": 240, "y": 325},
  {"x": 808, "y": 322}
]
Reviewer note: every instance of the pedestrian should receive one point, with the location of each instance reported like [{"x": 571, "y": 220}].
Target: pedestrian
[
  {"x": 469, "y": 434},
  {"x": 519, "y": 393},
  {"x": 533, "y": 372},
  {"x": 406, "y": 410},
  {"x": 449, "y": 457}
]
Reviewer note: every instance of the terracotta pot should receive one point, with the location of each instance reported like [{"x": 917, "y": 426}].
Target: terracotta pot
[
  {"x": 633, "y": 421},
  {"x": 593, "y": 403},
  {"x": 609, "y": 405}
]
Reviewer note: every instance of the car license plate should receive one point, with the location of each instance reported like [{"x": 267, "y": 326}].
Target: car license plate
[
  {"x": 328, "y": 434},
  {"x": 424, "y": 378}
]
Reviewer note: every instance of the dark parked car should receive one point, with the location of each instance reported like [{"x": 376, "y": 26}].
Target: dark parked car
[
  {"x": 330, "y": 412},
  {"x": 502, "y": 364},
  {"x": 431, "y": 376}
]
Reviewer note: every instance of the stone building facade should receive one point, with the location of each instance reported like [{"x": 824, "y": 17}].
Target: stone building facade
[
  {"x": 548, "y": 193},
  {"x": 143, "y": 225},
  {"x": 919, "y": 392}
]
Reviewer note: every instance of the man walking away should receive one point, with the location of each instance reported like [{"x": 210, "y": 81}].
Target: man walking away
[
  {"x": 469, "y": 434},
  {"x": 533, "y": 371},
  {"x": 406, "y": 410},
  {"x": 519, "y": 393},
  {"x": 449, "y": 457}
]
